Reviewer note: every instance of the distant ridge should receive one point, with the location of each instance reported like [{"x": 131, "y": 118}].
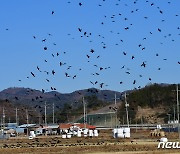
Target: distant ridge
[
  {"x": 151, "y": 102},
  {"x": 33, "y": 97}
]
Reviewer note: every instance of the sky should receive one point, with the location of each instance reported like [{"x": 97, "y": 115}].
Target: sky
[{"x": 116, "y": 30}]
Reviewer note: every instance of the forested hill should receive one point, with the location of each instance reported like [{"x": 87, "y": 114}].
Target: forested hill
[
  {"x": 151, "y": 103},
  {"x": 154, "y": 95}
]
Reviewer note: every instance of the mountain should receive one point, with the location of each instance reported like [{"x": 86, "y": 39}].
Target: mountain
[
  {"x": 150, "y": 104},
  {"x": 35, "y": 98}
]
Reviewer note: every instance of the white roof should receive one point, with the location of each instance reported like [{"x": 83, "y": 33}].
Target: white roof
[
  {"x": 26, "y": 125},
  {"x": 53, "y": 126}
]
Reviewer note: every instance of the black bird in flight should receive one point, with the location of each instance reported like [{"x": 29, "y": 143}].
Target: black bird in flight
[
  {"x": 100, "y": 68},
  {"x": 124, "y": 53},
  {"x": 53, "y": 72},
  {"x": 92, "y": 51},
  {"x": 88, "y": 56},
  {"x": 74, "y": 76},
  {"x": 45, "y": 48},
  {"x": 38, "y": 68},
  {"x": 43, "y": 90},
  {"x": 143, "y": 64},
  {"x": 101, "y": 85},
  {"x": 32, "y": 74},
  {"x": 159, "y": 29},
  {"x": 123, "y": 67},
  {"x": 126, "y": 28},
  {"x": 79, "y": 29},
  {"x": 44, "y": 40},
  {"x": 134, "y": 82}
]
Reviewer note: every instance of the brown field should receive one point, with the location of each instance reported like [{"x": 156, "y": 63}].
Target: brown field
[{"x": 140, "y": 142}]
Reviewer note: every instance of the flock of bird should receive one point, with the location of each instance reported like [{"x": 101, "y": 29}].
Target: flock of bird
[
  {"x": 58, "y": 142},
  {"x": 93, "y": 55}
]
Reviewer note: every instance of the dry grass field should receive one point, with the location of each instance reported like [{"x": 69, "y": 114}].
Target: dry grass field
[{"x": 140, "y": 142}]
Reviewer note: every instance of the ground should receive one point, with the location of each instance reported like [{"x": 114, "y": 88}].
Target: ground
[
  {"x": 140, "y": 142},
  {"x": 149, "y": 115}
]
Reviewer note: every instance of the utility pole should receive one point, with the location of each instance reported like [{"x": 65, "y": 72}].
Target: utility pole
[
  {"x": 3, "y": 121},
  {"x": 177, "y": 89},
  {"x": 169, "y": 120},
  {"x": 27, "y": 118},
  {"x": 174, "y": 113},
  {"x": 177, "y": 98},
  {"x": 116, "y": 119},
  {"x": 40, "y": 118},
  {"x": 45, "y": 118},
  {"x": 45, "y": 114},
  {"x": 115, "y": 107},
  {"x": 53, "y": 113},
  {"x": 84, "y": 112},
  {"x": 141, "y": 121},
  {"x": 123, "y": 120},
  {"x": 127, "y": 105},
  {"x": 16, "y": 116},
  {"x": 111, "y": 121}
]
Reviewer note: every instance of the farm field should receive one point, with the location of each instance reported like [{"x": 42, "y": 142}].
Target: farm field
[{"x": 140, "y": 142}]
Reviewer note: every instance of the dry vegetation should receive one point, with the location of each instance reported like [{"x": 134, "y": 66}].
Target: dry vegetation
[
  {"x": 149, "y": 115},
  {"x": 140, "y": 142}
]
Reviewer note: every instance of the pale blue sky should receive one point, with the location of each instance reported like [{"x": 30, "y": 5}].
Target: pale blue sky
[{"x": 20, "y": 54}]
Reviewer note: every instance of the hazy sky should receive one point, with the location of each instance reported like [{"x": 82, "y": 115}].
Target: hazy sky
[{"x": 149, "y": 31}]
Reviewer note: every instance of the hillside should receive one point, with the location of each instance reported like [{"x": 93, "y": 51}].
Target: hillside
[
  {"x": 34, "y": 100},
  {"x": 151, "y": 104},
  {"x": 22, "y": 112}
]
